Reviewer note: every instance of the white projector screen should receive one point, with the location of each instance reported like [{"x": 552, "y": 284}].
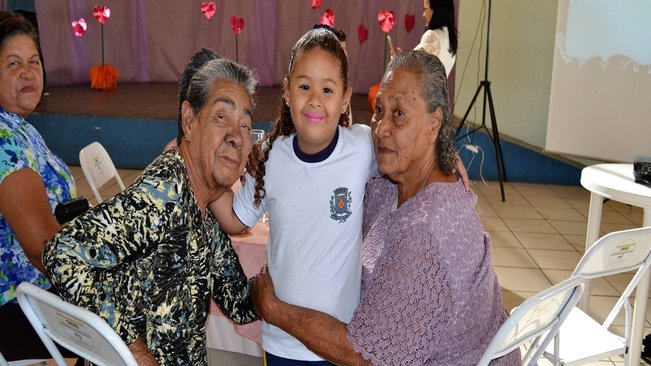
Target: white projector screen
[{"x": 600, "y": 102}]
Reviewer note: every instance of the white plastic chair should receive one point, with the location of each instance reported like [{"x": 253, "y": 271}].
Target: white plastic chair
[
  {"x": 537, "y": 319},
  {"x": 72, "y": 327},
  {"x": 98, "y": 168},
  {"x": 582, "y": 338}
]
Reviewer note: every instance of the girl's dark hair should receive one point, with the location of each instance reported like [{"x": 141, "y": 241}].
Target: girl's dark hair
[
  {"x": 198, "y": 59},
  {"x": 320, "y": 38},
  {"x": 13, "y": 24},
  {"x": 443, "y": 16}
]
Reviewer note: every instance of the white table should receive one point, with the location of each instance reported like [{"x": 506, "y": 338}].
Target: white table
[{"x": 616, "y": 182}]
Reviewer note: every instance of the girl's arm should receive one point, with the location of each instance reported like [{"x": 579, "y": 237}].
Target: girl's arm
[{"x": 222, "y": 209}]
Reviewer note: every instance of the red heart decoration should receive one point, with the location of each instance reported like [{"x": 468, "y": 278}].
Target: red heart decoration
[
  {"x": 79, "y": 27},
  {"x": 208, "y": 9},
  {"x": 410, "y": 20},
  {"x": 387, "y": 20},
  {"x": 237, "y": 24},
  {"x": 328, "y": 18},
  {"x": 101, "y": 13},
  {"x": 315, "y": 4},
  {"x": 362, "y": 33}
]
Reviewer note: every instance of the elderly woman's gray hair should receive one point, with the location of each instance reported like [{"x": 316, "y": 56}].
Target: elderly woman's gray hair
[
  {"x": 434, "y": 88},
  {"x": 215, "y": 69}
]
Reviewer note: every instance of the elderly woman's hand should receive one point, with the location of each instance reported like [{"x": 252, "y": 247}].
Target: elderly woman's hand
[{"x": 264, "y": 296}]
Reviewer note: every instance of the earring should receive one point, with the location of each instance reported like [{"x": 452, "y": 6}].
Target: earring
[{"x": 187, "y": 139}]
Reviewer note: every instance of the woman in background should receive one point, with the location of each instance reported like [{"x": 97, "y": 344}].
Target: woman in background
[
  {"x": 440, "y": 37},
  {"x": 32, "y": 182}
]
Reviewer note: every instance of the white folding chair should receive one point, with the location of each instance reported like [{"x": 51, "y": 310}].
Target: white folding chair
[
  {"x": 98, "y": 168},
  {"x": 537, "y": 319},
  {"x": 72, "y": 327},
  {"x": 582, "y": 338}
]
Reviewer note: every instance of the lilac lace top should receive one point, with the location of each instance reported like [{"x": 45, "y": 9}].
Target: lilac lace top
[{"x": 429, "y": 295}]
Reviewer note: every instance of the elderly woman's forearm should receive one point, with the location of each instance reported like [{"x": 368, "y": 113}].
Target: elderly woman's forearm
[{"x": 322, "y": 333}]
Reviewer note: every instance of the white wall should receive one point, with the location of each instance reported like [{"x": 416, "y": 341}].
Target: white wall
[{"x": 520, "y": 64}]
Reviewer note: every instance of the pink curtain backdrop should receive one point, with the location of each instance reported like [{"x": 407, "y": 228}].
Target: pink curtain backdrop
[{"x": 151, "y": 40}]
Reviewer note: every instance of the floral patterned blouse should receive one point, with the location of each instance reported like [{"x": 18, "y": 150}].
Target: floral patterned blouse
[
  {"x": 21, "y": 146},
  {"x": 147, "y": 262}
]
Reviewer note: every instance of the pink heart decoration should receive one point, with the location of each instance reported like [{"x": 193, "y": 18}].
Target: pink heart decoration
[
  {"x": 101, "y": 13},
  {"x": 79, "y": 27},
  {"x": 387, "y": 20},
  {"x": 237, "y": 24},
  {"x": 362, "y": 33},
  {"x": 328, "y": 18},
  {"x": 208, "y": 9},
  {"x": 410, "y": 20},
  {"x": 315, "y": 4}
]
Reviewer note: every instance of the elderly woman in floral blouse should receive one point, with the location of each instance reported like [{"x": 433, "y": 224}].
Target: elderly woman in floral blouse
[{"x": 149, "y": 259}]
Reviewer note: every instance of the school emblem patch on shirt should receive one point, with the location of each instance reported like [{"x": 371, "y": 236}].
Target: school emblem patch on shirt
[{"x": 340, "y": 204}]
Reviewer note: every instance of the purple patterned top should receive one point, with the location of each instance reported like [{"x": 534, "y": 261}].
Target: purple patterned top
[{"x": 430, "y": 295}]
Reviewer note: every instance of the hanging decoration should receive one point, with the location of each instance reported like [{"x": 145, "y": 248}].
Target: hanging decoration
[
  {"x": 328, "y": 18},
  {"x": 386, "y": 19},
  {"x": 237, "y": 24},
  {"x": 79, "y": 27},
  {"x": 315, "y": 4},
  {"x": 208, "y": 9},
  {"x": 104, "y": 76},
  {"x": 362, "y": 33},
  {"x": 410, "y": 21}
]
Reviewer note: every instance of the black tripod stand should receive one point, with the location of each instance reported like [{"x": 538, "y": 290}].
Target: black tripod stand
[{"x": 486, "y": 86}]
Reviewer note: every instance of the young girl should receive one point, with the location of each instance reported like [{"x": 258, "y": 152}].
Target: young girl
[{"x": 311, "y": 181}]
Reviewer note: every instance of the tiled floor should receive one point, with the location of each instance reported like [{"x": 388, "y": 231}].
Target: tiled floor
[{"x": 538, "y": 237}]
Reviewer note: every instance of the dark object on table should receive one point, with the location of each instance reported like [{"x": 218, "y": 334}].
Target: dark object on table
[
  {"x": 68, "y": 210},
  {"x": 642, "y": 172}
]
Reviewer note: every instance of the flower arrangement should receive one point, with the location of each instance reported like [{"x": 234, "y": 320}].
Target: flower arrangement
[
  {"x": 104, "y": 76},
  {"x": 237, "y": 24},
  {"x": 386, "y": 19}
]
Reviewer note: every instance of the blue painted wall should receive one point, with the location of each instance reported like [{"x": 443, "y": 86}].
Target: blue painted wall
[
  {"x": 522, "y": 164},
  {"x": 131, "y": 143},
  {"x": 134, "y": 143}
]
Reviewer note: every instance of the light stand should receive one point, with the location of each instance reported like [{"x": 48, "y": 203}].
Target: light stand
[{"x": 486, "y": 86}]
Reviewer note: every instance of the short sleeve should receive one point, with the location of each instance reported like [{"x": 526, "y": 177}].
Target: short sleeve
[
  {"x": 243, "y": 204},
  {"x": 430, "y": 42},
  {"x": 14, "y": 153},
  {"x": 400, "y": 313}
]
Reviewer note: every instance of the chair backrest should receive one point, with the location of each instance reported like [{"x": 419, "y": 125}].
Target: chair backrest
[
  {"x": 72, "y": 327},
  {"x": 98, "y": 168},
  {"x": 537, "y": 319},
  {"x": 618, "y": 252}
]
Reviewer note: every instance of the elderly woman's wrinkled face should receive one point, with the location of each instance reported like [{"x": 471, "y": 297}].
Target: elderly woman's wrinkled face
[
  {"x": 220, "y": 137},
  {"x": 404, "y": 133},
  {"x": 21, "y": 75}
]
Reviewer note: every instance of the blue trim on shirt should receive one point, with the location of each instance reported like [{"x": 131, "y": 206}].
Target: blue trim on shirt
[{"x": 319, "y": 156}]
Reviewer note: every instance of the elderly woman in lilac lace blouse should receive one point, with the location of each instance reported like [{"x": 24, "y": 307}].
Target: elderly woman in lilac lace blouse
[{"x": 429, "y": 295}]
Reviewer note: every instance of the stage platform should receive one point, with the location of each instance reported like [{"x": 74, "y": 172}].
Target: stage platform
[{"x": 134, "y": 122}]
